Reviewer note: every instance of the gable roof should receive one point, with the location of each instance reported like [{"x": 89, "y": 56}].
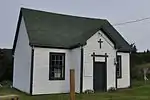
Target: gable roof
[{"x": 64, "y": 31}]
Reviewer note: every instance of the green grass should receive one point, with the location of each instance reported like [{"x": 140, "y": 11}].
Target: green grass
[{"x": 139, "y": 91}]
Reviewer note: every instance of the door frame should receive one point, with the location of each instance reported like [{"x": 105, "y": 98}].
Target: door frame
[{"x": 104, "y": 56}]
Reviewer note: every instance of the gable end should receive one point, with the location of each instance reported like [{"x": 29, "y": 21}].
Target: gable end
[{"x": 17, "y": 32}]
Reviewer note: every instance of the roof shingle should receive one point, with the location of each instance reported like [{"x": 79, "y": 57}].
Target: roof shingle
[{"x": 65, "y": 31}]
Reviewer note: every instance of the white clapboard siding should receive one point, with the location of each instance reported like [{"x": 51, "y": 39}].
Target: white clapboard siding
[
  {"x": 22, "y": 61},
  {"x": 124, "y": 81},
  {"x": 76, "y": 64},
  {"x": 41, "y": 82}
]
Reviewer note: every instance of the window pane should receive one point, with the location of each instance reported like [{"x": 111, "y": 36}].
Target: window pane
[
  {"x": 57, "y": 75},
  {"x": 52, "y": 74},
  {"x": 60, "y": 63},
  {"x": 52, "y": 69},
  {"x": 52, "y": 63},
  {"x": 55, "y": 69},
  {"x": 60, "y": 57},
  {"x": 57, "y": 57},
  {"x": 55, "y": 62},
  {"x": 52, "y": 57}
]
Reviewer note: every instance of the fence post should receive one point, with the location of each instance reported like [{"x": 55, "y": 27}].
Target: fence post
[{"x": 72, "y": 84}]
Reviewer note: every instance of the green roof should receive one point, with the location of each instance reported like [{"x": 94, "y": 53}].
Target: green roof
[{"x": 64, "y": 31}]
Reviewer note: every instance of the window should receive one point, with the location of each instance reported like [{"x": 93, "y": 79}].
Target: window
[
  {"x": 119, "y": 74},
  {"x": 57, "y": 66}
]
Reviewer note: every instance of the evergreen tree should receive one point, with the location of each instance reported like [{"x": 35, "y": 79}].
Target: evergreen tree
[
  {"x": 147, "y": 51},
  {"x": 133, "y": 48}
]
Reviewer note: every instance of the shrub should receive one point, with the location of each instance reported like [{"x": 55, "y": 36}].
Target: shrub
[
  {"x": 6, "y": 64},
  {"x": 88, "y": 91},
  {"x": 111, "y": 89}
]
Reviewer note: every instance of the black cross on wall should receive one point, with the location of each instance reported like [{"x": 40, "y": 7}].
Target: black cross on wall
[{"x": 100, "y": 43}]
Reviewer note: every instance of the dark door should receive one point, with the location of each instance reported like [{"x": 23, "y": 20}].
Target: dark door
[{"x": 99, "y": 76}]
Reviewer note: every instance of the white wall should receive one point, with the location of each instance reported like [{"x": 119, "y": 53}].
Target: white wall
[
  {"x": 124, "y": 82},
  {"x": 22, "y": 61},
  {"x": 93, "y": 46},
  {"x": 41, "y": 82},
  {"x": 75, "y": 64}
]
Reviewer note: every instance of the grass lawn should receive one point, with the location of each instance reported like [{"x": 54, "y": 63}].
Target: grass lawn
[{"x": 139, "y": 91}]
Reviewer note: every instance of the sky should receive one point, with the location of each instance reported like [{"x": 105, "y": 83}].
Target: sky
[{"x": 116, "y": 11}]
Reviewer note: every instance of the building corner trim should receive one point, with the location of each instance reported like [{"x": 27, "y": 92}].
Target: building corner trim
[
  {"x": 116, "y": 72},
  {"x": 31, "y": 71},
  {"x": 81, "y": 71}
]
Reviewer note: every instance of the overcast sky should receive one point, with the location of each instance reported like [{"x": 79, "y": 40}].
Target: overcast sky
[{"x": 116, "y": 11}]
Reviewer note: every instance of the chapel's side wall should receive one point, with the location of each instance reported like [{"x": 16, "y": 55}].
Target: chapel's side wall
[
  {"x": 124, "y": 81},
  {"x": 76, "y": 64},
  {"x": 22, "y": 61}
]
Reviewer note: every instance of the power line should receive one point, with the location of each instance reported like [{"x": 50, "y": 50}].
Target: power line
[{"x": 133, "y": 21}]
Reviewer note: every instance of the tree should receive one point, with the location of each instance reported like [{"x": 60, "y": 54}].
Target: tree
[
  {"x": 6, "y": 67},
  {"x": 2, "y": 68},
  {"x": 133, "y": 48},
  {"x": 147, "y": 51}
]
